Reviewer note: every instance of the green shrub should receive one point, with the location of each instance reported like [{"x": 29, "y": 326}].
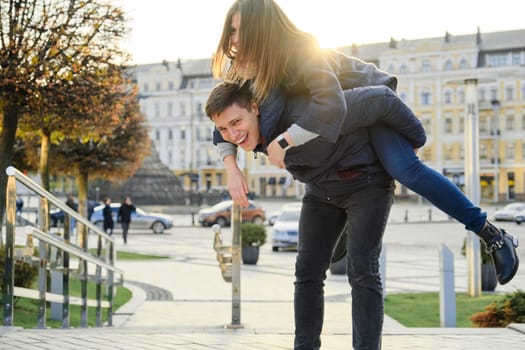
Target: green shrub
[
  {"x": 501, "y": 313},
  {"x": 253, "y": 234},
  {"x": 25, "y": 273},
  {"x": 485, "y": 257}
]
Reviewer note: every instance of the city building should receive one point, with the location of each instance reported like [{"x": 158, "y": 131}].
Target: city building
[{"x": 432, "y": 74}]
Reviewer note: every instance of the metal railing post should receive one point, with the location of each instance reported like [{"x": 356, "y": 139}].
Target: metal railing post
[
  {"x": 9, "y": 274},
  {"x": 236, "y": 267}
]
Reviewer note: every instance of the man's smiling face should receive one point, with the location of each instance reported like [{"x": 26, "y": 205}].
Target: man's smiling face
[{"x": 239, "y": 126}]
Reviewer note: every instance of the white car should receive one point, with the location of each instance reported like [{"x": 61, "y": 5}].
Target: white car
[
  {"x": 508, "y": 212},
  {"x": 285, "y": 230},
  {"x": 140, "y": 220},
  {"x": 519, "y": 217}
]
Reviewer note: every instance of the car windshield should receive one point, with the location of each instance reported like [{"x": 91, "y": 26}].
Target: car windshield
[{"x": 290, "y": 215}]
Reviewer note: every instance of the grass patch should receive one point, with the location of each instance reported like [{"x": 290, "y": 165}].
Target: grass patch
[
  {"x": 123, "y": 255},
  {"x": 422, "y": 309},
  {"x": 26, "y": 310}
]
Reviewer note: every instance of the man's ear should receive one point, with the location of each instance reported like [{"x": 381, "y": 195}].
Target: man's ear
[{"x": 255, "y": 107}]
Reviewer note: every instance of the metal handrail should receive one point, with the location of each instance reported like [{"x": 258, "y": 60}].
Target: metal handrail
[
  {"x": 46, "y": 240},
  {"x": 20, "y": 177}
]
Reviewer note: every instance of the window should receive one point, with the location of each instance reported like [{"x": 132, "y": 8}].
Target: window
[
  {"x": 426, "y": 67},
  {"x": 516, "y": 58},
  {"x": 171, "y": 86},
  {"x": 391, "y": 68},
  {"x": 448, "y": 65},
  {"x": 170, "y": 109},
  {"x": 448, "y": 125},
  {"x": 157, "y": 110},
  {"x": 497, "y": 60},
  {"x": 462, "y": 124},
  {"x": 157, "y": 135},
  {"x": 403, "y": 69},
  {"x": 461, "y": 96},
  {"x": 463, "y": 64},
  {"x": 447, "y": 99},
  {"x": 482, "y": 151},
  {"x": 170, "y": 134},
  {"x": 158, "y": 86},
  {"x": 494, "y": 93},
  {"x": 182, "y": 107},
  {"x": 523, "y": 90},
  {"x": 183, "y": 134},
  {"x": 509, "y": 122},
  {"x": 145, "y": 87},
  {"x": 482, "y": 94},
  {"x": 509, "y": 93},
  {"x": 425, "y": 98},
  {"x": 523, "y": 126}
]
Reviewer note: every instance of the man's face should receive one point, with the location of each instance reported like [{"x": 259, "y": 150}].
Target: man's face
[{"x": 239, "y": 126}]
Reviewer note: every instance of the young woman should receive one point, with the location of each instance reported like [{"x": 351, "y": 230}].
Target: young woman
[{"x": 260, "y": 45}]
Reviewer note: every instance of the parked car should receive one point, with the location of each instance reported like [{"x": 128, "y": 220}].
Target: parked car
[
  {"x": 140, "y": 220},
  {"x": 56, "y": 215},
  {"x": 272, "y": 218},
  {"x": 285, "y": 230},
  {"x": 220, "y": 214},
  {"x": 508, "y": 212},
  {"x": 519, "y": 217}
]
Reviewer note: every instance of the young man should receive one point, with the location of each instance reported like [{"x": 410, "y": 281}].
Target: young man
[{"x": 347, "y": 190}]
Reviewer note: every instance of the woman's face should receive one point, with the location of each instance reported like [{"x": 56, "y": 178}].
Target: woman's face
[{"x": 235, "y": 26}]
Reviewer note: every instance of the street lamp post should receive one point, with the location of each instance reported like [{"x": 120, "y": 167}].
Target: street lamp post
[{"x": 495, "y": 132}]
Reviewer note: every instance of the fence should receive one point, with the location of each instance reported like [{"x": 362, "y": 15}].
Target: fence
[{"x": 55, "y": 253}]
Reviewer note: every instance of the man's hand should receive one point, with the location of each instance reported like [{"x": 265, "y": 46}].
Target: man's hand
[
  {"x": 276, "y": 153},
  {"x": 237, "y": 186}
]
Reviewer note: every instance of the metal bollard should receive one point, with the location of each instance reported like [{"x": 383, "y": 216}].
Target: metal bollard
[
  {"x": 192, "y": 218},
  {"x": 429, "y": 214}
]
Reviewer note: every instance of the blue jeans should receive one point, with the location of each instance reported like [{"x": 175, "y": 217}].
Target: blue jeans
[
  {"x": 361, "y": 212},
  {"x": 400, "y": 161}
]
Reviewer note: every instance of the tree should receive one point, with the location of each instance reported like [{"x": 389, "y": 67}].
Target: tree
[{"x": 44, "y": 46}]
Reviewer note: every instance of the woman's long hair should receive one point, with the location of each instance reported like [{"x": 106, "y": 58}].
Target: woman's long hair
[{"x": 267, "y": 40}]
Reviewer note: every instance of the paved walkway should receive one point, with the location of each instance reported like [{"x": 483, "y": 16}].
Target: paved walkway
[{"x": 183, "y": 303}]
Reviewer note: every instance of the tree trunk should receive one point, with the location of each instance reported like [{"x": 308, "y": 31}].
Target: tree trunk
[
  {"x": 44, "y": 159},
  {"x": 82, "y": 187},
  {"x": 7, "y": 141}
]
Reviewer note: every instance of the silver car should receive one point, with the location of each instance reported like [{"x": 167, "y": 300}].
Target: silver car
[
  {"x": 508, "y": 212},
  {"x": 140, "y": 220},
  {"x": 285, "y": 230}
]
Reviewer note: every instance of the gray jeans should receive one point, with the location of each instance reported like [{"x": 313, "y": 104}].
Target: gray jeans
[{"x": 361, "y": 212}]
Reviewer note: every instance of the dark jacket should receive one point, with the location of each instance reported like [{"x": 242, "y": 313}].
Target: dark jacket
[
  {"x": 124, "y": 212},
  {"x": 321, "y": 161},
  {"x": 107, "y": 213}
]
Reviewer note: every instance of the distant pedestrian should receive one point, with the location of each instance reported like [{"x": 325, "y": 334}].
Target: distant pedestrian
[
  {"x": 107, "y": 213},
  {"x": 124, "y": 216},
  {"x": 19, "y": 205},
  {"x": 73, "y": 205}
]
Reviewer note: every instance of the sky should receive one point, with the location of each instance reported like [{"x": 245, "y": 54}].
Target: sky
[{"x": 172, "y": 29}]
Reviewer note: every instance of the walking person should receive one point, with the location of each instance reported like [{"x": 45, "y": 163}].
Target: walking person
[
  {"x": 124, "y": 216},
  {"x": 262, "y": 47},
  {"x": 107, "y": 214},
  {"x": 71, "y": 202}
]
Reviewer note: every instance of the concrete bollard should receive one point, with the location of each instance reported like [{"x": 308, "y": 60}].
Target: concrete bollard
[{"x": 447, "y": 294}]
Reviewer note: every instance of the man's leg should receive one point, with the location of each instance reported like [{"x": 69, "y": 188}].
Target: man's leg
[
  {"x": 319, "y": 226},
  {"x": 368, "y": 212}
]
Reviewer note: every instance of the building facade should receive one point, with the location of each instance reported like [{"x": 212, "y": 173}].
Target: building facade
[{"x": 431, "y": 72}]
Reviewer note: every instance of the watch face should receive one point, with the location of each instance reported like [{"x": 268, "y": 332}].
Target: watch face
[{"x": 283, "y": 143}]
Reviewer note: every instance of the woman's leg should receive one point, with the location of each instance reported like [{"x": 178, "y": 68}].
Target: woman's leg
[{"x": 401, "y": 162}]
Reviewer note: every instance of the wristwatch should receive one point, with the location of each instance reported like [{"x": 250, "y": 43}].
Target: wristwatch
[{"x": 282, "y": 142}]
